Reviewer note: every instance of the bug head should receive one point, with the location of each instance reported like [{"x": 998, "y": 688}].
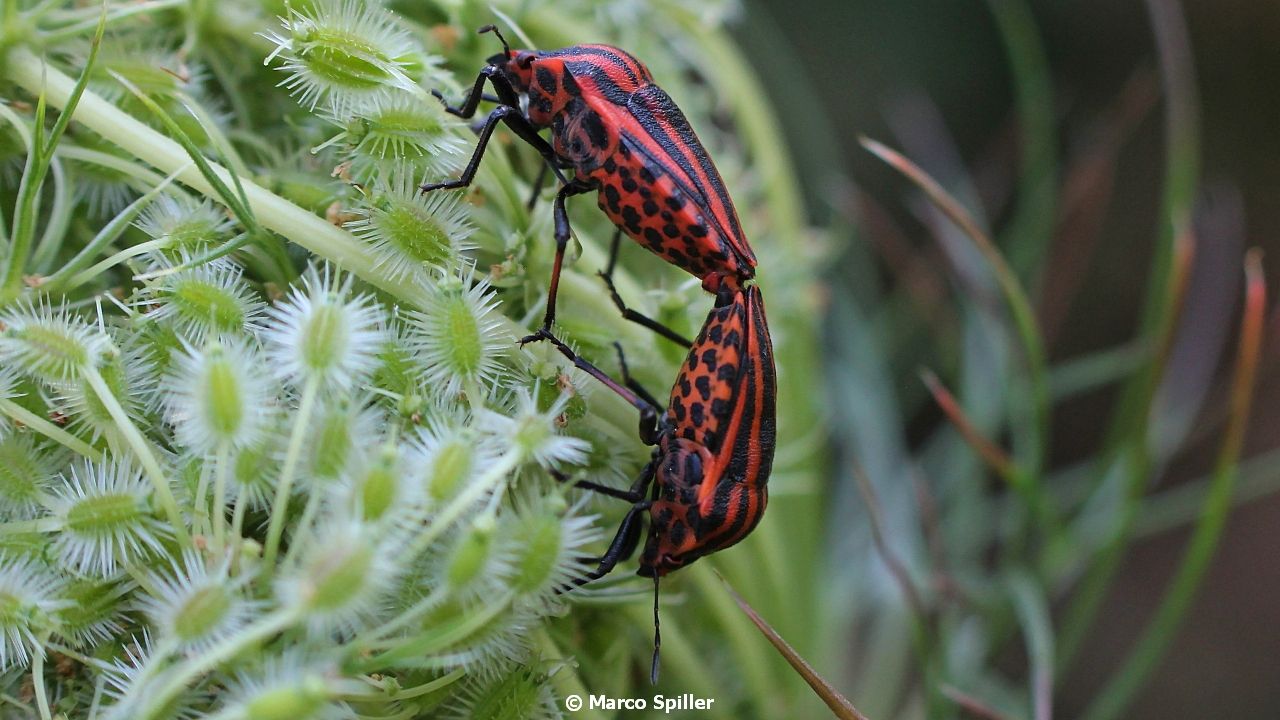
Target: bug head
[{"x": 517, "y": 65}]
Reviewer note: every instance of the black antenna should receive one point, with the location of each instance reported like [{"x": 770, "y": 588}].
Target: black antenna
[
  {"x": 657, "y": 634},
  {"x": 494, "y": 29}
]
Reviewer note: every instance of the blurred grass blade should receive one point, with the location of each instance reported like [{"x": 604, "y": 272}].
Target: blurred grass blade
[
  {"x": 992, "y": 454},
  {"x": 1033, "y": 615},
  {"x": 840, "y": 707},
  {"x": 971, "y": 704},
  {"x": 1031, "y": 228},
  {"x": 896, "y": 567},
  {"x": 1151, "y": 646},
  {"x": 1019, "y": 307},
  {"x": 1128, "y": 434}
]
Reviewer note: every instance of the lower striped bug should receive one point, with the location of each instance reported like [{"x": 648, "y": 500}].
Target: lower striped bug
[{"x": 705, "y": 486}]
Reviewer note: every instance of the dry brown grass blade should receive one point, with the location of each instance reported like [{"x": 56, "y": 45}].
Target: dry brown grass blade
[
  {"x": 840, "y": 706},
  {"x": 991, "y": 454}
]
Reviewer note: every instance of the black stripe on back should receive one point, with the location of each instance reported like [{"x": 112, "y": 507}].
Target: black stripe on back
[
  {"x": 605, "y": 84},
  {"x": 653, "y": 127},
  {"x": 603, "y": 56}
]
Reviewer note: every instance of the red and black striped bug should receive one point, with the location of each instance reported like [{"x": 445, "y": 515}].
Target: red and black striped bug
[
  {"x": 705, "y": 486},
  {"x": 624, "y": 137}
]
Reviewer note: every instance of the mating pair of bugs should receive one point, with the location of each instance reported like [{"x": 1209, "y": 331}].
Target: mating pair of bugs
[{"x": 704, "y": 487}]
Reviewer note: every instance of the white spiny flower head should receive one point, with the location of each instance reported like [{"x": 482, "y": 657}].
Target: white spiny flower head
[
  {"x": 256, "y": 467},
  {"x": 458, "y": 336},
  {"x": 449, "y": 454},
  {"x": 106, "y": 518},
  {"x": 546, "y": 539},
  {"x": 533, "y": 432},
  {"x": 8, "y": 390},
  {"x": 27, "y": 472},
  {"x": 344, "y": 52},
  {"x": 490, "y": 645},
  {"x": 518, "y": 692},
  {"x": 95, "y": 611},
  {"x": 29, "y": 593},
  {"x": 196, "y": 604},
  {"x": 217, "y": 395},
  {"x": 130, "y": 377},
  {"x": 398, "y": 131},
  {"x": 184, "y": 224},
  {"x": 408, "y": 231},
  {"x": 47, "y": 344},
  {"x": 203, "y": 300},
  {"x": 476, "y": 564},
  {"x": 380, "y": 488},
  {"x": 343, "y": 432},
  {"x": 342, "y": 578},
  {"x": 323, "y": 331},
  {"x": 132, "y": 682},
  {"x": 286, "y": 687}
]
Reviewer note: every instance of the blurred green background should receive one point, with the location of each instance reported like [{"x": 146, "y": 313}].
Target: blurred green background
[{"x": 934, "y": 78}]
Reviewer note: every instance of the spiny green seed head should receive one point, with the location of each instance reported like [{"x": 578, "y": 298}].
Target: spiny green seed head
[
  {"x": 303, "y": 699},
  {"x": 380, "y": 484},
  {"x": 26, "y": 472},
  {"x": 228, "y": 405},
  {"x": 520, "y": 694},
  {"x": 204, "y": 609},
  {"x": 451, "y": 465},
  {"x": 541, "y": 551},
  {"x": 49, "y": 345},
  {"x": 470, "y": 555},
  {"x": 409, "y": 232},
  {"x": 344, "y": 52}
]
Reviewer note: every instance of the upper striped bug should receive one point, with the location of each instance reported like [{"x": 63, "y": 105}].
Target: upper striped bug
[
  {"x": 705, "y": 486},
  {"x": 622, "y": 136}
]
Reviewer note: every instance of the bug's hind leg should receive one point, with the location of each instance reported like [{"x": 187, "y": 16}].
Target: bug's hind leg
[{"x": 607, "y": 276}]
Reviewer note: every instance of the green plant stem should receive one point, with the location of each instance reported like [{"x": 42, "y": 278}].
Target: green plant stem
[
  {"x": 280, "y": 506},
  {"x": 1030, "y": 230},
  {"x": 41, "y": 525},
  {"x": 49, "y": 430},
  {"x": 227, "y": 649},
  {"x": 37, "y": 680},
  {"x": 127, "y": 428},
  {"x": 220, "y": 495}
]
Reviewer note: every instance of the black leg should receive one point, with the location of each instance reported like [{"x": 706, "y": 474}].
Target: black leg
[
  {"x": 628, "y": 313},
  {"x": 623, "y": 546},
  {"x": 649, "y": 412},
  {"x": 562, "y": 234},
  {"x": 630, "y": 382},
  {"x": 522, "y": 128},
  {"x": 506, "y": 94},
  {"x": 631, "y": 496}
]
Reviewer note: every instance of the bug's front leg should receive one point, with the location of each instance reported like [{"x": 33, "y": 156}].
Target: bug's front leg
[
  {"x": 518, "y": 123},
  {"x": 562, "y": 234},
  {"x": 506, "y": 93}
]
